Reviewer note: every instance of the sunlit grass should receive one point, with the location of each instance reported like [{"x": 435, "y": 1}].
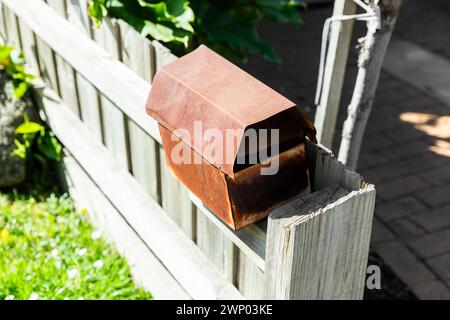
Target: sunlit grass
[{"x": 50, "y": 251}]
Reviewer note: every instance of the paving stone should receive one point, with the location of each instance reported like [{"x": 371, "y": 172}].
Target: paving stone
[
  {"x": 380, "y": 232},
  {"x": 369, "y": 159},
  {"x": 400, "y": 187},
  {"x": 437, "y": 175},
  {"x": 431, "y": 244},
  {"x": 375, "y": 142},
  {"x": 436, "y": 196},
  {"x": 405, "y": 228},
  {"x": 404, "y": 262},
  {"x": 405, "y": 206},
  {"x": 431, "y": 290},
  {"x": 409, "y": 149},
  {"x": 435, "y": 219},
  {"x": 441, "y": 265},
  {"x": 403, "y": 135},
  {"x": 392, "y": 169}
]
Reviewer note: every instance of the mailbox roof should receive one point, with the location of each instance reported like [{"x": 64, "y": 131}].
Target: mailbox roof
[{"x": 204, "y": 90}]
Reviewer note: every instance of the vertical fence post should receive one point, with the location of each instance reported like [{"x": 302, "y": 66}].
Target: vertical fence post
[
  {"x": 318, "y": 244},
  {"x": 336, "y": 61}
]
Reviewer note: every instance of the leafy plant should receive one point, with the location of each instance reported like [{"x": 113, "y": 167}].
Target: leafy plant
[
  {"x": 227, "y": 26},
  {"x": 37, "y": 143},
  {"x": 12, "y": 62}
]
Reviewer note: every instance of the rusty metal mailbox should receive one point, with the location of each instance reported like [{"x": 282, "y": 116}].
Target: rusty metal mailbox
[{"x": 237, "y": 144}]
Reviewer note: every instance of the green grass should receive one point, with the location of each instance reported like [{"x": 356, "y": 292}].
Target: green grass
[{"x": 50, "y": 251}]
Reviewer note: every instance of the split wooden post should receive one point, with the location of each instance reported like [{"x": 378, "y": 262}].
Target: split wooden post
[
  {"x": 318, "y": 244},
  {"x": 336, "y": 61},
  {"x": 370, "y": 61}
]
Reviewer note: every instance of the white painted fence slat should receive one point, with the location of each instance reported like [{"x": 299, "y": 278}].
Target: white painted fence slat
[
  {"x": 58, "y": 5},
  {"x": 67, "y": 84},
  {"x": 29, "y": 46},
  {"x": 144, "y": 151},
  {"x": 77, "y": 14},
  {"x": 115, "y": 128},
  {"x": 12, "y": 31},
  {"x": 47, "y": 64},
  {"x": 64, "y": 72},
  {"x": 2, "y": 21},
  {"x": 87, "y": 95}
]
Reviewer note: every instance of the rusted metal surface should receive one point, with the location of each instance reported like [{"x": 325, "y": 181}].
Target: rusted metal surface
[
  {"x": 204, "y": 88},
  {"x": 246, "y": 197}
]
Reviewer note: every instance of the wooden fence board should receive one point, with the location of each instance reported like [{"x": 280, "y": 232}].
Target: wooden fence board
[
  {"x": 29, "y": 46},
  {"x": 147, "y": 270},
  {"x": 67, "y": 84},
  {"x": 58, "y": 5},
  {"x": 251, "y": 240},
  {"x": 77, "y": 14},
  {"x": 335, "y": 66},
  {"x": 250, "y": 278},
  {"x": 2, "y": 21},
  {"x": 317, "y": 248},
  {"x": 115, "y": 128},
  {"x": 87, "y": 95},
  {"x": 12, "y": 31},
  {"x": 144, "y": 151},
  {"x": 175, "y": 199},
  {"x": 319, "y": 245},
  {"x": 47, "y": 64},
  {"x": 216, "y": 246},
  {"x": 64, "y": 72}
]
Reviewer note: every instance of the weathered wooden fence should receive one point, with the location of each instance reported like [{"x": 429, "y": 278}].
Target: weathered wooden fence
[{"x": 96, "y": 85}]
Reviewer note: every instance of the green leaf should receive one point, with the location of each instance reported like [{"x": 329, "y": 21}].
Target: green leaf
[
  {"x": 20, "y": 150},
  {"x": 29, "y": 127},
  {"x": 20, "y": 89},
  {"x": 163, "y": 33},
  {"x": 5, "y": 54},
  {"x": 50, "y": 146},
  {"x": 97, "y": 10},
  {"x": 184, "y": 20}
]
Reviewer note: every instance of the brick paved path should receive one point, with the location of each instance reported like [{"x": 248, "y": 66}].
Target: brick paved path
[{"x": 406, "y": 151}]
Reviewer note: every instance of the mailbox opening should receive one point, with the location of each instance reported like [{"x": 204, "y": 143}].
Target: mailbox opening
[{"x": 268, "y": 139}]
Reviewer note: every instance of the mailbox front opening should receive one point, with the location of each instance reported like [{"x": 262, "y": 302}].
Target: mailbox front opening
[{"x": 267, "y": 139}]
